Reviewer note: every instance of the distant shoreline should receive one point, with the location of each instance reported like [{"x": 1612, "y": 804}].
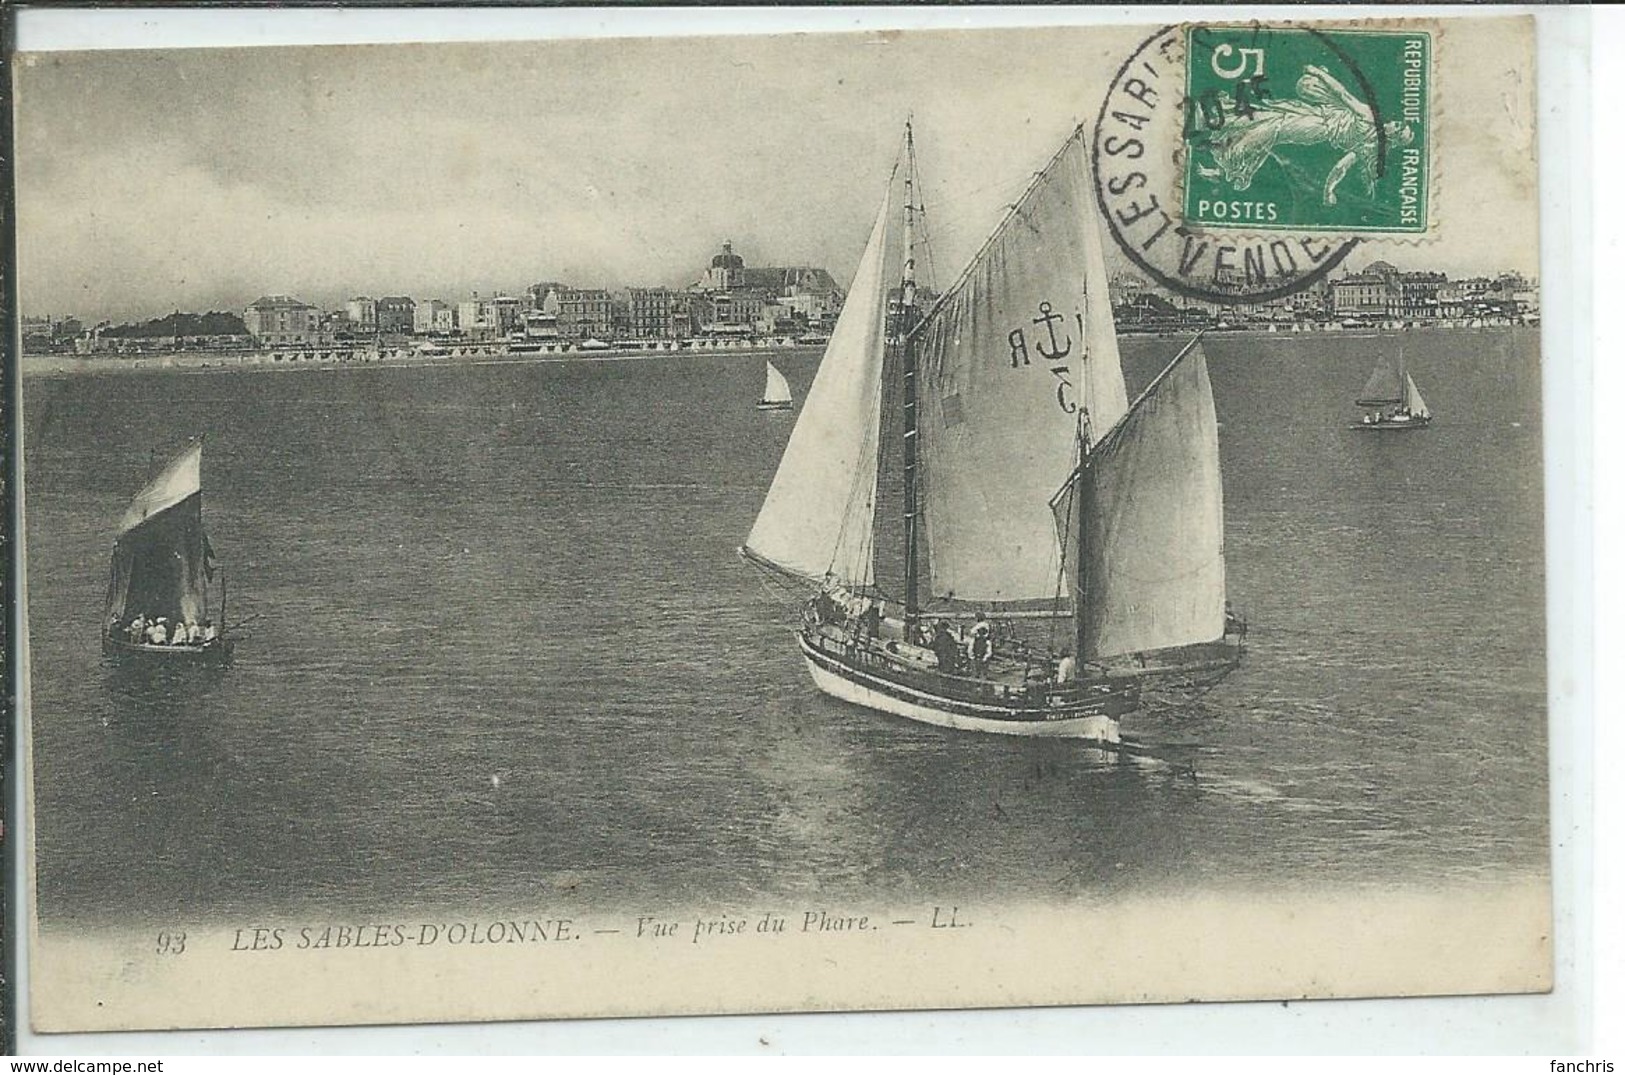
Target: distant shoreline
[{"x": 273, "y": 361}]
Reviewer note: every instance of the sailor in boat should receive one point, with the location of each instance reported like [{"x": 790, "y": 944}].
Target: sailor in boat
[
  {"x": 980, "y": 647},
  {"x": 158, "y": 631},
  {"x": 1066, "y": 669},
  {"x": 946, "y": 647},
  {"x": 869, "y": 620}
]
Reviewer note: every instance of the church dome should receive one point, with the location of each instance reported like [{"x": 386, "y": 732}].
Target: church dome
[{"x": 727, "y": 259}]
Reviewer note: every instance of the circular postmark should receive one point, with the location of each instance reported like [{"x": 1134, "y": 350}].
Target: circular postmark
[{"x": 1241, "y": 164}]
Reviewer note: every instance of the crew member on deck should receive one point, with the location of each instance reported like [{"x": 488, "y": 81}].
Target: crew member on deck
[
  {"x": 946, "y": 647},
  {"x": 1066, "y": 669},
  {"x": 871, "y": 620},
  {"x": 157, "y": 633},
  {"x": 981, "y": 643}
]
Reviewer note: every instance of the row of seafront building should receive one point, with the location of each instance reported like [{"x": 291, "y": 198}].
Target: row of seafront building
[
  {"x": 733, "y": 301},
  {"x": 1379, "y": 294},
  {"x": 729, "y": 300}
]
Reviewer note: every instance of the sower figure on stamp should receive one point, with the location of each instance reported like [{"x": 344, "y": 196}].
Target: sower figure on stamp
[{"x": 1325, "y": 112}]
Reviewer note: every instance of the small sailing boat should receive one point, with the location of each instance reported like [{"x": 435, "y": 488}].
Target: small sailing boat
[
  {"x": 776, "y": 397},
  {"x": 158, "y": 594},
  {"x": 988, "y": 443},
  {"x": 1391, "y": 399}
]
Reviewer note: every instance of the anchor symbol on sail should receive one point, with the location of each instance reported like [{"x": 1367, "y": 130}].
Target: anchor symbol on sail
[
  {"x": 1048, "y": 318},
  {"x": 1058, "y": 348}
]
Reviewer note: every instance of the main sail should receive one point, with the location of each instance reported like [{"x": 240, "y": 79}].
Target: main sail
[
  {"x": 1150, "y": 505},
  {"x": 1018, "y": 352},
  {"x": 818, "y": 518},
  {"x": 162, "y": 561},
  {"x": 1382, "y": 389},
  {"x": 778, "y": 389}
]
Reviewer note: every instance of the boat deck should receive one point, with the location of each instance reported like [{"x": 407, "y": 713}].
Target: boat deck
[
  {"x": 1007, "y": 681},
  {"x": 215, "y": 649}
]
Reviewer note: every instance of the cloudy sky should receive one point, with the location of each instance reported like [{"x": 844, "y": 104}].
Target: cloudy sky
[{"x": 201, "y": 178}]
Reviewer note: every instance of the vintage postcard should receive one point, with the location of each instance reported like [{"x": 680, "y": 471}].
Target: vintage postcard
[{"x": 800, "y": 522}]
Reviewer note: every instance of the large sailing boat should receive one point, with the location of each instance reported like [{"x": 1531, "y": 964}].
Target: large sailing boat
[
  {"x": 1391, "y": 399},
  {"x": 158, "y": 594},
  {"x": 1022, "y": 466}
]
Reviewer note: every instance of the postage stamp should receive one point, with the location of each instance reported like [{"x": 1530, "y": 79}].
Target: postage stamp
[
  {"x": 1305, "y": 129},
  {"x": 1242, "y": 164}
]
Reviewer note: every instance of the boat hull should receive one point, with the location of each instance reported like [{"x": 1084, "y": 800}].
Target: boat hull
[
  {"x": 213, "y": 653},
  {"x": 1092, "y": 717},
  {"x": 1391, "y": 427},
  {"x": 775, "y": 405},
  {"x": 1199, "y": 665}
]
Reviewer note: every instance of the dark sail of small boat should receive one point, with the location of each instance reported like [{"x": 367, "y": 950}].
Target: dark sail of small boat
[
  {"x": 1383, "y": 389},
  {"x": 163, "y": 566}
]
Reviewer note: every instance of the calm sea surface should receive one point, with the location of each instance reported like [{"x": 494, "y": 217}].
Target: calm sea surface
[{"x": 506, "y": 656}]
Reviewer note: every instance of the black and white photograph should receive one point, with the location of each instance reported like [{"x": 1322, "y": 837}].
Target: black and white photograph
[{"x": 839, "y": 521}]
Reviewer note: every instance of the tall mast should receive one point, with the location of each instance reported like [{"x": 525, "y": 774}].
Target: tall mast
[
  {"x": 1082, "y": 488},
  {"x": 908, "y": 315}
]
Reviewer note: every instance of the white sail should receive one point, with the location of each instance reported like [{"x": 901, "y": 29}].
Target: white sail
[
  {"x": 182, "y": 478},
  {"x": 1105, "y": 395},
  {"x": 1153, "y": 521},
  {"x": 818, "y": 518},
  {"x": 1414, "y": 403},
  {"x": 778, "y": 389},
  {"x": 1010, "y": 360}
]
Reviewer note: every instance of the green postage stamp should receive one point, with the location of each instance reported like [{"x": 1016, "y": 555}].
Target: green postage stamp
[{"x": 1302, "y": 129}]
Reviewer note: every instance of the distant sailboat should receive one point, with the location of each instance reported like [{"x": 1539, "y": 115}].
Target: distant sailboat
[
  {"x": 1391, "y": 399},
  {"x": 1007, "y": 389},
  {"x": 776, "y": 397},
  {"x": 158, "y": 593}
]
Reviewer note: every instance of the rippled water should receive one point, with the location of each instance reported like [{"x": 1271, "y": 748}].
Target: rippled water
[{"x": 505, "y": 651}]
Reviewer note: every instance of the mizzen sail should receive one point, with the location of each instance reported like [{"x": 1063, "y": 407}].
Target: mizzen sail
[
  {"x": 818, "y": 518},
  {"x": 1151, "y": 511},
  {"x": 1011, "y": 359}
]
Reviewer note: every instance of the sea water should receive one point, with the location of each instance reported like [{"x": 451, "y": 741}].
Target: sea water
[{"x": 503, "y": 653}]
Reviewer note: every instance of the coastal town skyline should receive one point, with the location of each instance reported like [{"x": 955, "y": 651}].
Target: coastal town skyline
[
  {"x": 151, "y": 180},
  {"x": 337, "y": 301},
  {"x": 734, "y": 300}
]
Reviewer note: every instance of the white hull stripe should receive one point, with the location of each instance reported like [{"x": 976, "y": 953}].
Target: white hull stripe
[
  {"x": 1088, "y": 720},
  {"x": 1099, "y": 728}
]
